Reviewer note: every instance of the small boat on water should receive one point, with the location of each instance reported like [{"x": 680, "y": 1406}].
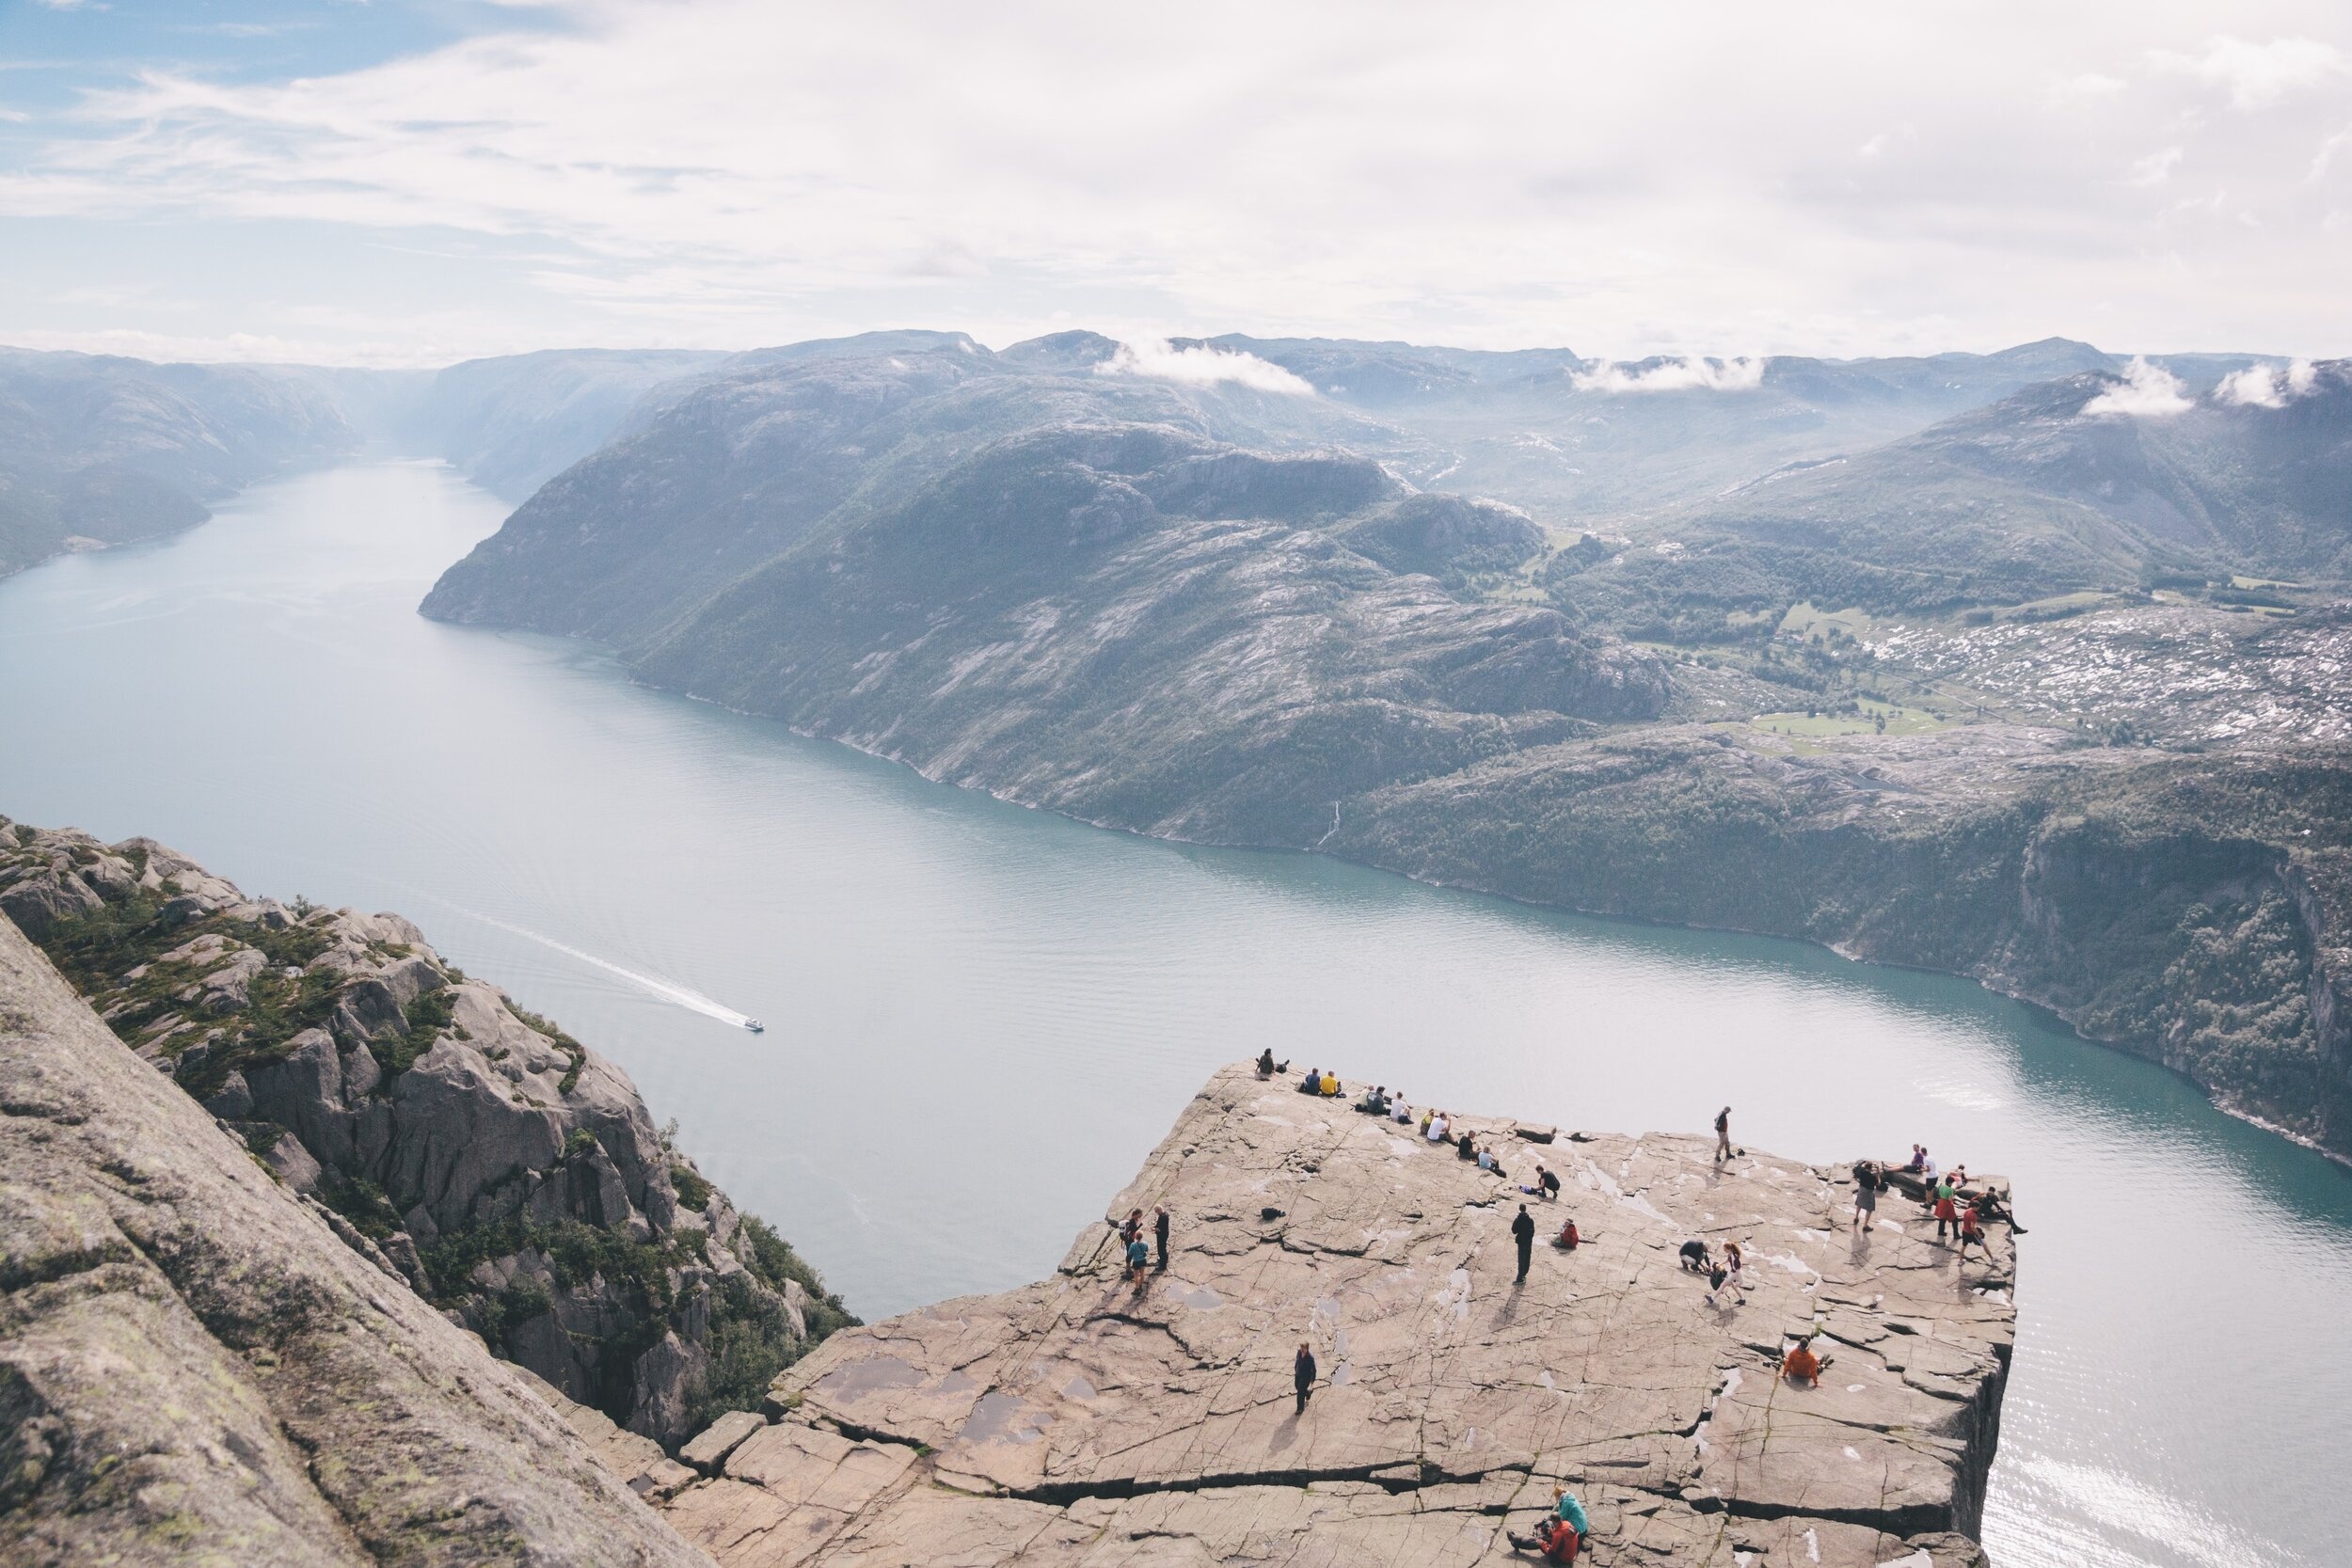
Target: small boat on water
[{"x": 755, "y": 1026}]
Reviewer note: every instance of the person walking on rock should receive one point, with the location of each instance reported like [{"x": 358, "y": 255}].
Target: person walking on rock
[
  {"x": 1523, "y": 1232},
  {"x": 1159, "y": 1230},
  {"x": 1722, "y": 1133},
  {"x": 1303, "y": 1375}
]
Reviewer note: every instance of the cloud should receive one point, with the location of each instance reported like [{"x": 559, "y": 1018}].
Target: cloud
[
  {"x": 2155, "y": 168},
  {"x": 2092, "y": 84},
  {"x": 2146, "y": 391},
  {"x": 2257, "y": 74},
  {"x": 734, "y": 171},
  {"x": 2268, "y": 385},
  {"x": 1742, "y": 374},
  {"x": 1199, "y": 365}
]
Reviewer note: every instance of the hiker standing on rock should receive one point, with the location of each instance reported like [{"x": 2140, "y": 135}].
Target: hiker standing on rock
[
  {"x": 1947, "y": 1208},
  {"x": 1722, "y": 1133},
  {"x": 1867, "y": 1181},
  {"x": 1303, "y": 1375},
  {"x": 1523, "y": 1232},
  {"x": 1159, "y": 1230}
]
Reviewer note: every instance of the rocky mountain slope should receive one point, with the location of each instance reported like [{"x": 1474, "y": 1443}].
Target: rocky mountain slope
[
  {"x": 511, "y": 423},
  {"x": 2040, "y": 493},
  {"x": 1093, "y": 1417},
  {"x": 101, "y": 450},
  {"x": 507, "y": 1173},
  {"x": 194, "y": 1369}
]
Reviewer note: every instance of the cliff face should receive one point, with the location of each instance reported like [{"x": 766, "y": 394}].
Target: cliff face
[
  {"x": 1090, "y": 1417},
  {"x": 505, "y": 1172},
  {"x": 194, "y": 1369},
  {"x": 2183, "y": 909}
]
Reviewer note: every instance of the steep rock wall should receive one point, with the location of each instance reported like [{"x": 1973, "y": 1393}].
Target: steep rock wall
[{"x": 194, "y": 1369}]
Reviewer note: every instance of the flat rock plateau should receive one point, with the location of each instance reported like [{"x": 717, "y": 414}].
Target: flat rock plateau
[{"x": 1089, "y": 1419}]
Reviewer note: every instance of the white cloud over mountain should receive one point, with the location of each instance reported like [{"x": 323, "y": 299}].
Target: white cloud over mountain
[
  {"x": 1673, "y": 375},
  {"x": 2146, "y": 391},
  {"x": 1199, "y": 365}
]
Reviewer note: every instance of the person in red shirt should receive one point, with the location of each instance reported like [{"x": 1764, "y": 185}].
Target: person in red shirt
[{"x": 1972, "y": 1228}]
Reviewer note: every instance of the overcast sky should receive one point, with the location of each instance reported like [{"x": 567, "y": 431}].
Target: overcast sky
[{"x": 417, "y": 182}]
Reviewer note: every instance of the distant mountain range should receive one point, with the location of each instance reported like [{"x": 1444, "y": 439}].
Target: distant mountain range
[
  {"x": 1776, "y": 643},
  {"x": 1524, "y": 622}
]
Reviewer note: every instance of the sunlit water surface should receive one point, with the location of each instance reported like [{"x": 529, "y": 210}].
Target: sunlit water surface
[{"x": 979, "y": 1017}]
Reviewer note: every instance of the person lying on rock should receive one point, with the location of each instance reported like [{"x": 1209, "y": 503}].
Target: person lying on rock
[{"x": 1801, "y": 1366}]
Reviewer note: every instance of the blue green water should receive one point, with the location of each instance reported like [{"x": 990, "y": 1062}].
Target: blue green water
[{"x": 980, "y": 1017}]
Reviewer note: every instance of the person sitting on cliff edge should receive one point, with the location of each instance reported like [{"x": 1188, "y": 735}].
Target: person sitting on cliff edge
[
  {"x": 1267, "y": 1066},
  {"x": 1312, "y": 1084},
  {"x": 1801, "y": 1365}
]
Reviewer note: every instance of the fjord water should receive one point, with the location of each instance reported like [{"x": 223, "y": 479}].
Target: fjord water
[{"x": 980, "y": 1017}]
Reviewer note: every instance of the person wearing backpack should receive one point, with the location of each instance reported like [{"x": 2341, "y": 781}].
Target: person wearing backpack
[{"x": 1867, "y": 1183}]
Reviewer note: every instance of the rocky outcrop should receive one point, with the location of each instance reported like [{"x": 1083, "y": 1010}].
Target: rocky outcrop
[
  {"x": 498, "y": 1166},
  {"x": 194, "y": 1369},
  {"x": 1093, "y": 1418}
]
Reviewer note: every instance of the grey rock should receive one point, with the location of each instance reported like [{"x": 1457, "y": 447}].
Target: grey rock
[
  {"x": 421, "y": 1131},
  {"x": 193, "y": 1369},
  {"x": 235, "y": 1102},
  {"x": 1042, "y": 1422},
  {"x": 37, "y": 902},
  {"x": 710, "y": 1447}
]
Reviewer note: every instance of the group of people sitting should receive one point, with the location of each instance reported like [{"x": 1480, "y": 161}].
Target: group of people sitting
[
  {"x": 1436, "y": 1126},
  {"x": 1960, "y": 1215},
  {"x": 1562, "y": 1532}
]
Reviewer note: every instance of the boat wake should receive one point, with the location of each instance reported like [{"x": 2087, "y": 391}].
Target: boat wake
[{"x": 653, "y": 985}]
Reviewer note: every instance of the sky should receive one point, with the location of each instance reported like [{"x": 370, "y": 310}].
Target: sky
[{"x": 394, "y": 182}]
